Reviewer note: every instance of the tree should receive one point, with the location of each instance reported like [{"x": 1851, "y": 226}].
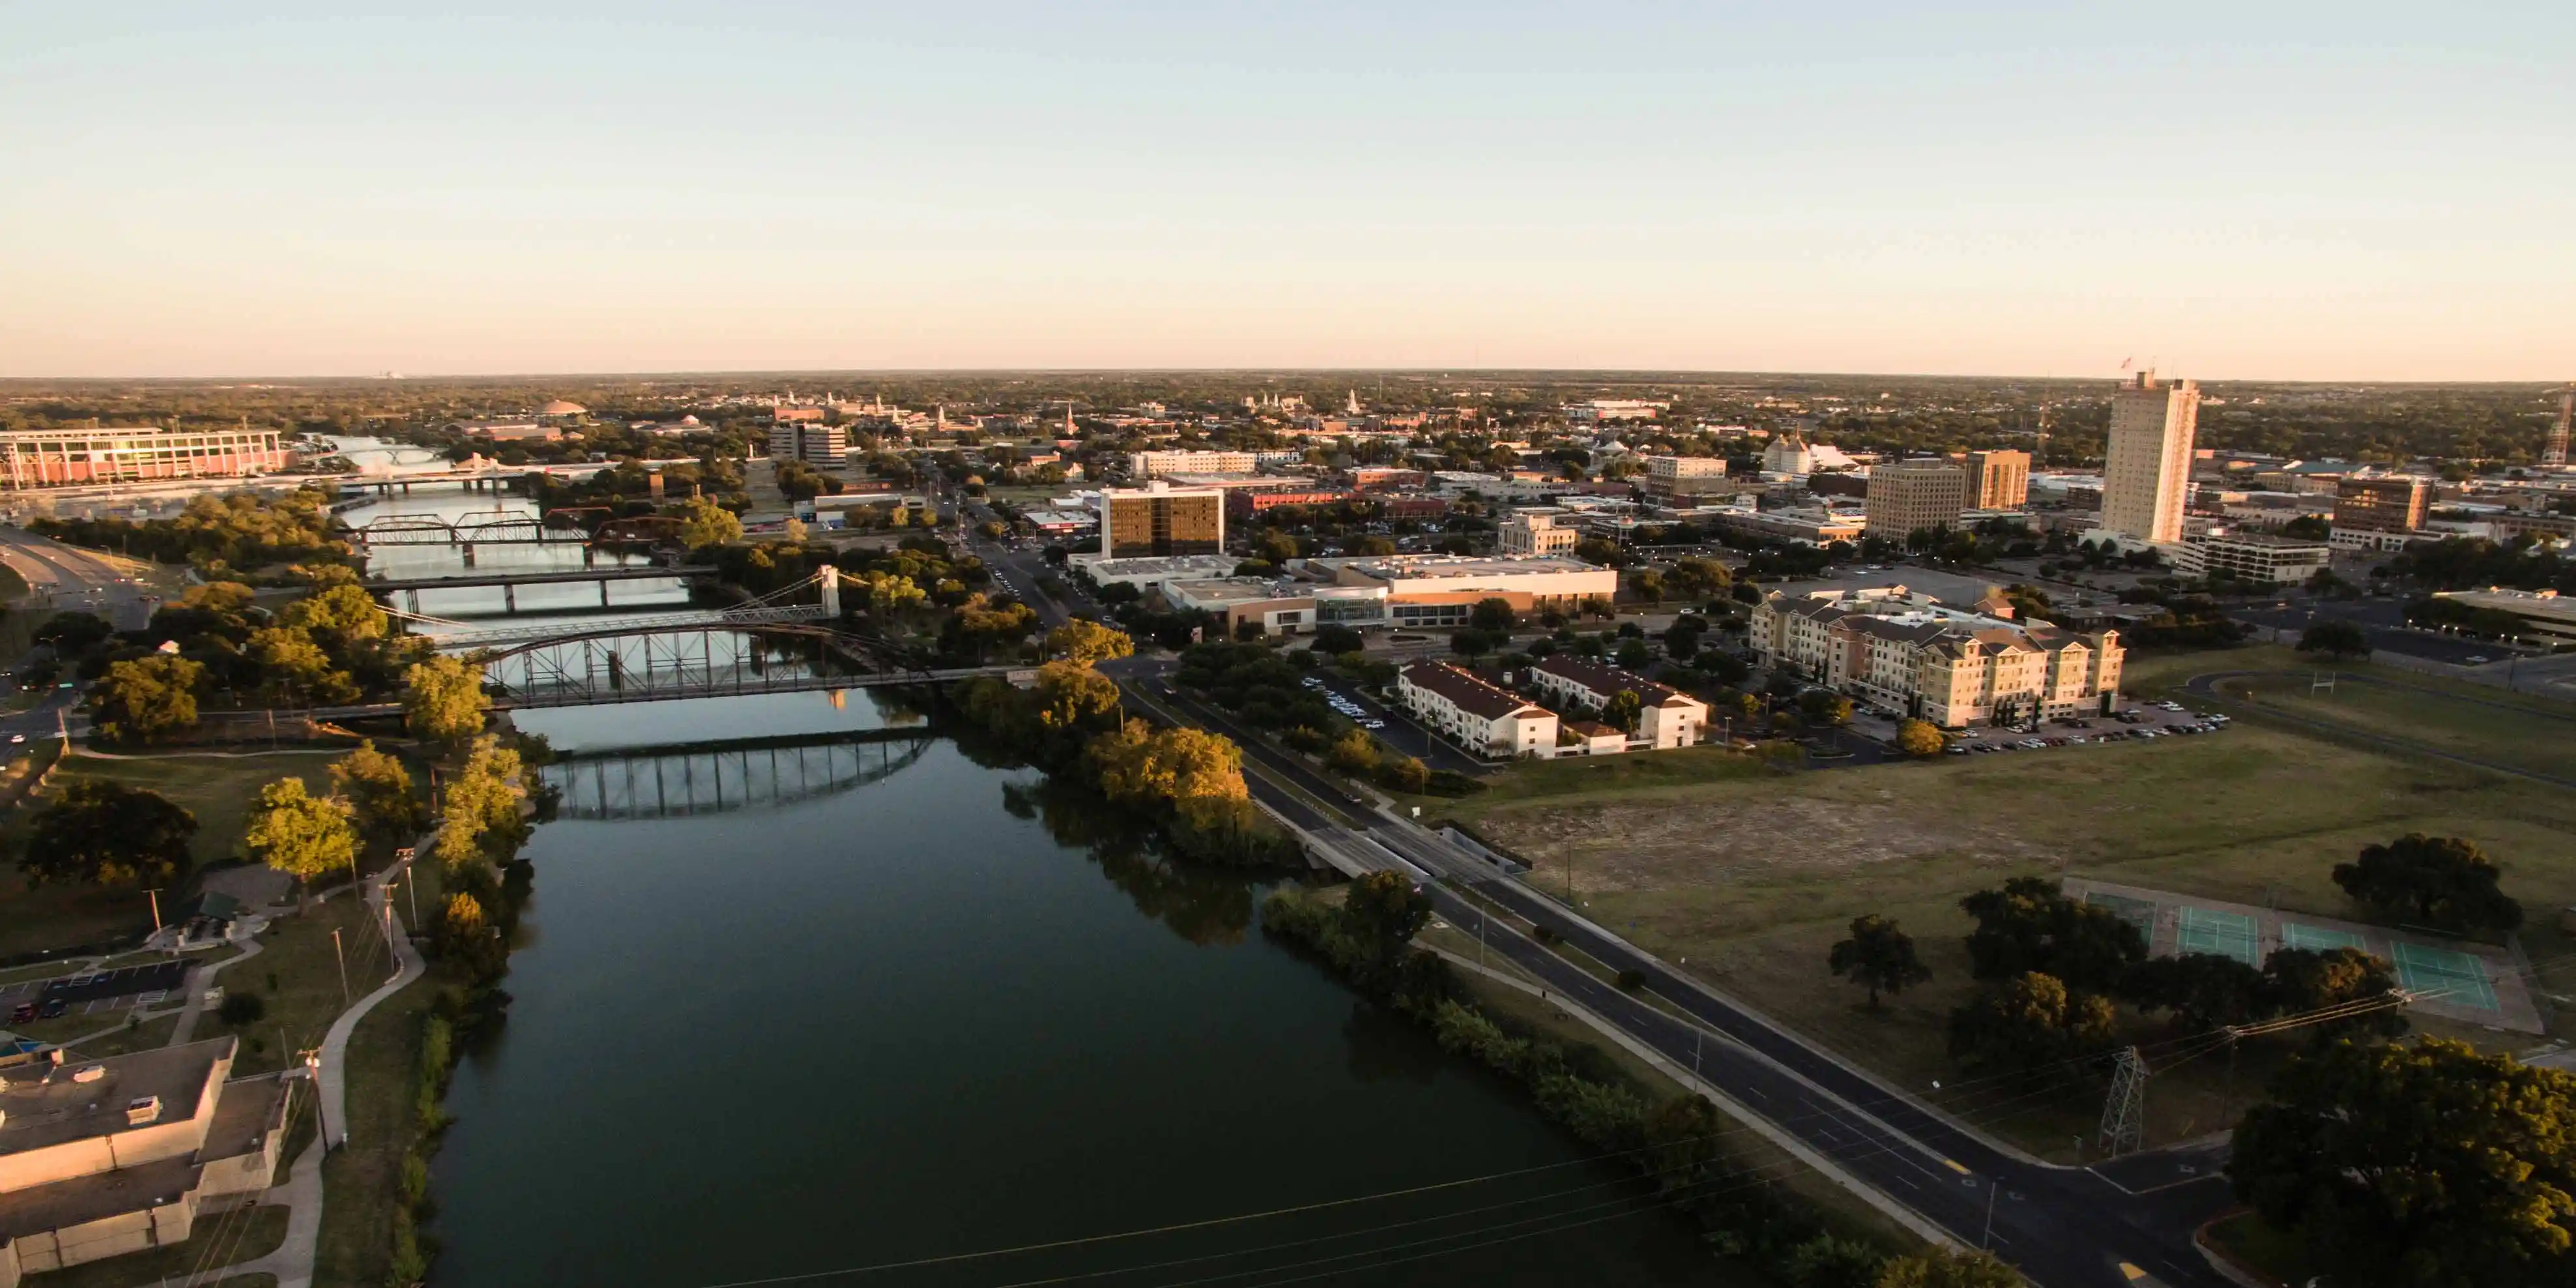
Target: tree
[
  {"x": 2203, "y": 990},
  {"x": 1384, "y": 911},
  {"x": 102, "y": 833},
  {"x": 1635, "y": 656},
  {"x": 1084, "y": 642},
  {"x": 2335, "y": 638},
  {"x": 2299, "y": 980},
  {"x": 443, "y": 699},
  {"x": 379, "y": 793},
  {"x": 2440, "y": 881},
  {"x": 2028, "y": 925},
  {"x": 705, "y": 523},
  {"x": 1137, "y": 764},
  {"x": 302, "y": 835},
  {"x": 1072, "y": 696},
  {"x": 1473, "y": 644},
  {"x": 1947, "y": 1268},
  {"x": 292, "y": 660},
  {"x": 2029, "y": 1023},
  {"x": 1821, "y": 706},
  {"x": 1919, "y": 738},
  {"x": 340, "y": 615},
  {"x": 481, "y": 820},
  {"x": 1492, "y": 615},
  {"x": 2427, "y": 1165},
  {"x": 1337, "y": 638},
  {"x": 73, "y": 634},
  {"x": 1878, "y": 957},
  {"x": 1623, "y": 710},
  {"x": 145, "y": 699},
  {"x": 1354, "y": 753}
]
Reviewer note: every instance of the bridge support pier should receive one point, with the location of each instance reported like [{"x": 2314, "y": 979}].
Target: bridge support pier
[
  {"x": 830, "y": 576},
  {"x": 603, "y": 594},
  {"x": 590, "y": 556},
  {"x": 468, "y": 548},
  {"x": 509, "y": 597}
]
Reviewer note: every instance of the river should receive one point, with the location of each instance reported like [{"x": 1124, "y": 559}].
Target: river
[{"x": 858, "y": 999}]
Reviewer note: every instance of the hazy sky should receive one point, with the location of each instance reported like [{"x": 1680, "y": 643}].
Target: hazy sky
[{"x": 2354, "y": 191}]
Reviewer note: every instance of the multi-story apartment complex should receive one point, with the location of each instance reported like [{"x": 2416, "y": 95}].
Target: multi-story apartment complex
[
  {"x": 1998, "y": 480},
  {"x": 2147, "y": 479},
  {"x": 1534, "y": 532},
  {"x": 1601, "y": 409},
  {"x": 53, "y": 457},
  {"x": 1686, "y": 475},
  {"x": 1667, "y": 716},
  {"x": 1153, "y": 465},
  {"x": 2379, "y": 513},
  {"x": 1909, "y": 496},
  {"x": 2252, "y": 556},
  {"x": 1159, "y": 519},
  {"x": 810, "y": 441},
  {"x": 1910, "y": 653},
  {"x": 1486, "y": 719},
  {"x": 101, "y": 1158}
]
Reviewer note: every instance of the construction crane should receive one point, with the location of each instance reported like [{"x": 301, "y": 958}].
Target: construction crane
[{"x": 2554, "y": 452}]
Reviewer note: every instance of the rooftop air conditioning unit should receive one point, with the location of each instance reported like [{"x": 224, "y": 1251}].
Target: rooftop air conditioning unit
[
  {"x": 89, "y": 1073},
  {"x": 145, "y": 1110}
]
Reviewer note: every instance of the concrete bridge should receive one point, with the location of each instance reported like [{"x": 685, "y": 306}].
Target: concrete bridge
[{"x": 510, "y": 580}]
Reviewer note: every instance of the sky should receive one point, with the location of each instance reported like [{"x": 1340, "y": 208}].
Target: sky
[{"x": 2280, "y": 191}]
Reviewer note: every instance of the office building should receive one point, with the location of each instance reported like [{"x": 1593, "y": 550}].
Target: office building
[
  {"x": 1606, "y": 409},
  {"x": 2251, "y": 556},
  {"x": 1159, "y": 519},
  {"x": 54, "y": 457},
  {"x": 2381, "y": 504},
  {"x": 2147, "y": 480},
  {"x": 1910, "y": 496},
  {"x": 1666, "y": 718},
  {"x": 1909, "y": 653},
  {"x": 101, "y": 1158},
  {"x": 815, "y": 443},
  {"x": 1671, "y": 476},
  {"x": 1549, "y": 581},
  {"x": 1998, "y": 480},
  {"x": 1153, "y": 465},
  {"x": 1534, "y": 532},
  {"x": 1485, "y": 719}
]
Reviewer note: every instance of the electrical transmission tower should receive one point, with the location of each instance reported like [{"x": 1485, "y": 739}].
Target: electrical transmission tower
[
  {"x": 2124, "y": 1113},
  {"x": 2555, "y": 451}
]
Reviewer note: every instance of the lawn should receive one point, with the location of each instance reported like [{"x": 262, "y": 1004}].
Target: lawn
[
  {"x": 219, "y": 790},
  {"x": 2520, "y": 735},
  {"x": 297, "y": 979},
  {"x": 1747, "y": 880}
]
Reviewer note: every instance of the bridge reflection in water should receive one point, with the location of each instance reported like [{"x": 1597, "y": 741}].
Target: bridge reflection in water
[{"x": 683, "y": 779}]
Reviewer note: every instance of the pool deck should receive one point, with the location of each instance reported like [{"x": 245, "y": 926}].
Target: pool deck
[{"x": 2514, "y": 1010}]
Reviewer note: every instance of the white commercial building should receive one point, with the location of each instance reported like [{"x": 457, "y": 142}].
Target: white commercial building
[
  {"x": 2252, "y": 556},
  {"x": 2146, "y": 482},
  {"x": 1549, "y": 581},
  {"x": 1534, "y": 532}
]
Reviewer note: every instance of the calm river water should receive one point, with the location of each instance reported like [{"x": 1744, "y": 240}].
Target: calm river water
[{"x": 846, "y": 997}]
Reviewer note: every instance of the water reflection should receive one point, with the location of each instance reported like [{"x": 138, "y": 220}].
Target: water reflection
[{"x": 1206, "y": 906}]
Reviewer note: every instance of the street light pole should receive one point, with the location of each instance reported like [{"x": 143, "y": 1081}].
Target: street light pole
[{"x": 344, "y": 967}]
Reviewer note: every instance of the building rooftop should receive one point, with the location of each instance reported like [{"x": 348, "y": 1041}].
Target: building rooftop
[
  {"x": 1610, "y": 679},
  {"x": 83, "y": 1199},
  {"x": 1471, "y": 695},
  {"x": 47, "y": 1105},
  {"x": 1397, "y": 567},
  {"x": 1236, "y": 590},
  {"x": 1164, "y": 566}
]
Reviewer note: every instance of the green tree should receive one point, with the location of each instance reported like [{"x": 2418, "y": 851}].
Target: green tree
[
  {"x": 2440, "y": 881},
  {"x": 1878, "y": 957},
  {"x": 101, "y": 833},
  {"x": 1072, "y": 696},
  {"x": 481, "y": 819},
  {"x": 1947, "y": 1268},
  {"x": 379, "y": 793},
  {"x": 2426, "y": 1165},
  {"x": 1353, "y": 753},
  {"x": 2028, "y": 925},
  {"x": 1384, "y": 911},
  {"x": 2029, "y": 1023},
  {"x": 146, "y": 699},
  {"x": 1338, "y": 639},
  {"x": 1820, "y": 706},
  {"x": 1138, "y": 764},
  {"x": 1086, "y": 643},
  {"x": 705, "y": 523},
  {"x": 341, "y": 616},
  {"x": 2300, "y": 980},
  {"x": 1623, "y": 710},
  {"x": 443, "y": 699},
  {"x": 2335, "y": 638},
  {"x": 1919, "y": 738},
  {"x": 1647, "y": 584},
  {"x": 1493, "y": 614},
  {"x": 305, "y": 836},
  {"x": 2203, "y": 990}
]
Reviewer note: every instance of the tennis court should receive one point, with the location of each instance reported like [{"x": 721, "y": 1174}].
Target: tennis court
[
  {"x": 2140, "y": 913},
  {"x": 2318, "y": 938},
  {"x": 2226, "y": 934},
  {"x": 2456, "y": 979}
]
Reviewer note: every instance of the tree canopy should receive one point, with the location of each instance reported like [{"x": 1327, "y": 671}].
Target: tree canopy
[
  {"x": 1878, "y": 957},
  {"x": 443, "y": 699},
  {"x": 379, "y": 793},
  {"x": 2424, "y": 1165},
  {"x": 146, "y": 699},
  {"x": 1946, "y": 1268},
  {"x": 1919, "y": 738},
  {"x": 2028, "y": 1023},
  {"x": 97, "y": 832},
  {"x": 307, "y": 837},
  {"x": 1085, "y": 643},
  {"x": 705, "y": 523},
  {"x": 2335, "y": 637},
  {"x": 2029, "y": 925},
  {"x": 2440, "y": 881}
]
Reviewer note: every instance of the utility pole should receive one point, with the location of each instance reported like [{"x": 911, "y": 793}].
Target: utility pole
[
  {"x": 1986, "y": 1242},
  {"x": 344, "y": 967},
  {"x": 313, "y": 1073},
  {"x": 155, "y": 893}
]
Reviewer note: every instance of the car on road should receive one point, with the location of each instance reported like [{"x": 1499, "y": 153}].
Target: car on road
[
  {"x": 2474, "y": 659},
  {"x": 17, "y": 738}
]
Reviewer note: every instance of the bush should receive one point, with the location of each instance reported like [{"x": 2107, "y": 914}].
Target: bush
[{"x": 240, "y": 1009}]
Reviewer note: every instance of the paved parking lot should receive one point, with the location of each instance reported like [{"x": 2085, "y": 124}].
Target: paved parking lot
[
  {"x": 2147, "y": 721},
  {"x": 104, "y": 991},
  {"x": 1395, "y": 729}
]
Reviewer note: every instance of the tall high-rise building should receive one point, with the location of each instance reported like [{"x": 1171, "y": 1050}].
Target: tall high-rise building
[
  {"x": 2148, "y": 477},
  {"x": 1159, "y": 519},
  {"x": 1906, "y": 497},
  {"x": 1998, "y": 480}
]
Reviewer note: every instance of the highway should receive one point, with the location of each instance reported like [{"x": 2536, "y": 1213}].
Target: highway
[
  {"x": 2063, "y": 1227},
  {"x": 67, "y": 579}
]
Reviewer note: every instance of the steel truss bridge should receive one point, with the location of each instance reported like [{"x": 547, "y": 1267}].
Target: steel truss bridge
[
  {"x": 683, "y": 780},
  {"x": 430, "y": 530},
  {"x": 618, "y": 664}
]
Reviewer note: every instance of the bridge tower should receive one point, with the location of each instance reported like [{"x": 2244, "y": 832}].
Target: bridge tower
[{"x": 830, "y": 578}]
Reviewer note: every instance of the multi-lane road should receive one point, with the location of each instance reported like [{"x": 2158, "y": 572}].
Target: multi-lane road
[{"x": 68, "y": 578}]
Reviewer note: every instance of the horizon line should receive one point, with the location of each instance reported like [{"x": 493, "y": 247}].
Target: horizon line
[{"x": 1630, "y": 373}]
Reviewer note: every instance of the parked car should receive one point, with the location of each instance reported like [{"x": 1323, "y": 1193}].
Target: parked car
[
  {"x": 22, "y": 1013},
  {"x": 54, "y": 1008}
]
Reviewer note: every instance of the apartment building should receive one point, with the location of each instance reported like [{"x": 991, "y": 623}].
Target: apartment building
[
  {"x": 1668, "y": 717},
  {"x": 1998, "y": 480},
  {"x": 810, "y": 441},
  {"x": 1910, "y": 653},
  {"x": 1142, "y": 466},
  {"x": 101, "y": 1158},
  {"x": 1909, "y": 496},
  {"x": 2252, "y": 556},
  {"x": 2147, "y": 479},
  {"x": 1534, "y": 532},
  {"x": 54, "y": 457},
  {"x": 1159, "y": 519},
  {"x": 1486, "y": 719},
  {"x": 1597, "y": 410},
  {"x": 1670, "y": 476}
]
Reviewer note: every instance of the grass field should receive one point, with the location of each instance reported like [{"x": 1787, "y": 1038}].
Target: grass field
[{"x": 1748, "y": 878}]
